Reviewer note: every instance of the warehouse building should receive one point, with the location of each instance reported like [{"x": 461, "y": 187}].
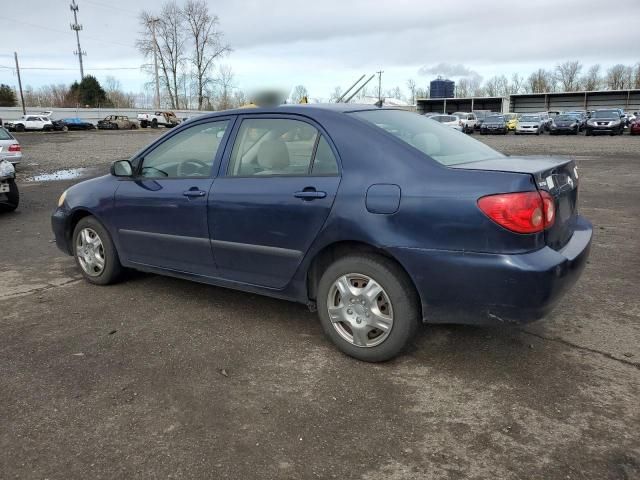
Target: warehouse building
[{"x": 628, "y": 100}]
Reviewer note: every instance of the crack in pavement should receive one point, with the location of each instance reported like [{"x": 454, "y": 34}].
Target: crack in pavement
[
  {"x": 40, "y": 289},
  {"x": 587, "y": 349}
]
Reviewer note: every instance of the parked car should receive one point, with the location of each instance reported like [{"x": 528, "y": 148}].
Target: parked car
[
  {"x": 117, "y": 122},
  {"x": 634, "y": 127},
  {"x": 581, "y": 115},
  {"x": 545, "y": 120},
  {"x": 530, "y": 124},
  {"x": 10, "y": 149},
  {"x": 9, "y": 195},
  {"x": 452, "y": 121},
  {"x": 29, "y": 122},
  {"x": 165, "y": 119},
  {"x": 306, "y": 206},
  {"x": 512, "y": 121},
  {"x": 565, "y": 124},
  {"x": 468, "y": 121},
  {"x": 605, "y": 121},
  {"x": 481, "y": 115},
  {"x": 494, "y": 124},
  {"x": 76, "y": 123}
]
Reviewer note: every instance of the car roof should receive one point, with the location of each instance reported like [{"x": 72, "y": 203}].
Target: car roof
[{"x": 302, "y": 109}]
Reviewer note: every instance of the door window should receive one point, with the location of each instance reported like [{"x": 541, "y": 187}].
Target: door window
[
  {"x": 324, "y": 162},
  {"x": 268, "y": 146},
  {"x": 189, "y": 153}
]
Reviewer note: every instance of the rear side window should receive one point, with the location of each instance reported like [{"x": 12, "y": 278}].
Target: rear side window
[
  {"x": 324, "y": 162},
  {"x": 440, "y": 142},
  {"x": 271, "y": 146}
]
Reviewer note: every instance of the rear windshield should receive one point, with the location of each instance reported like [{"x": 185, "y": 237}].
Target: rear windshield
[
  {"x": 442, "y": 143},
  {"x": 4, "y": 135}
]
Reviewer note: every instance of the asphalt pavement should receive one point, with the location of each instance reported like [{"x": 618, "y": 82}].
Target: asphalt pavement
[{"x": 162, "y": 378}]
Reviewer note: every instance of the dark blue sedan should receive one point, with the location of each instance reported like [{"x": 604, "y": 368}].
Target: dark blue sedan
[{"x": 379, "y": 218}]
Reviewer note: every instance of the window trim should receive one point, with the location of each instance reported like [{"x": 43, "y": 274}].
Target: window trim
[
  {"x": 140, "y": 156},
  {"x": 226, "y": 162}
]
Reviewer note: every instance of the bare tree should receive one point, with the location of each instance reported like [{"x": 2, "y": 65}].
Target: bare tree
[
  {"x": 517, "y": 83},
  {"x": 170, "y": 43},
  {"x": 395, "y": 92},
  {"x": 223, "y": 91},
  {"x": 475, "y": 87},
  {"x": 636, "y": 76},
  {"x": 299, "y": 92},
  {"x": 463, "y": 88},
  {"x": 592, "y": 80},
  {"x": 335, "y": 94},
  {"x": 541, "y": 81},
  {"x": 411, "y": 86},
  {"x": 422, "y": 93},
  {"x": 492, "y": 87},
  {"x": 567, "y": 75},
  {"x": 208, "y": 44},
  {"x": 619, "y": 77}
]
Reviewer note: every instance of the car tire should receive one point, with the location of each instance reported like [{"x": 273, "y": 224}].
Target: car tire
[
  {"x": 143, "y": 124},
  {"x": 587, "y": 133},
  {"x": 111, "y": 268},
  {"x": 154, "y": 123},
  {"x": 19, "y": 127},
  {"x": 397, "y": 297},
  {"x": 13, "y": 198},
  {"x": 538, "y": 132}
]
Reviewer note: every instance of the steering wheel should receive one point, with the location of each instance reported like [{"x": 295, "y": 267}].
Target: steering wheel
[{"x": 192, "y": 168}]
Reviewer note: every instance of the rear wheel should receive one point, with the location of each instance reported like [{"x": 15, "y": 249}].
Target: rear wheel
[
  {"x": 368, "y": 307},
  {"x": 154, "y": 123},
  {"x": 13, "y": 198},
  {"x": 95, "y": 253}
]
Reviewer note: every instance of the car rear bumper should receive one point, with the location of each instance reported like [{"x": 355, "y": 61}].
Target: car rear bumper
[
  {"x": 481, "y": 288},
  {"x": 13, "y": 158}
]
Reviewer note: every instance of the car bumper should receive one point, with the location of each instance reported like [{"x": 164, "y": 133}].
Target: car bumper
[
  {"x": 480, "y": 288},
  {"x": 13, "y": 158},
  {"x": 528, "y": 130},
  {"x": 59, "y": 221},
  {"x": 603, "y": 128}
]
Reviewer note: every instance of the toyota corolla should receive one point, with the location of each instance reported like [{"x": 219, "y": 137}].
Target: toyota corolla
[{"x": 380, "y": 219}]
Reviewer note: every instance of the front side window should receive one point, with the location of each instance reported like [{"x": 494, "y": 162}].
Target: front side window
[
  {"x": 189, "y": 153},
  {"x": 442, "y": 143},
  {"x": 270, "y": 146}
]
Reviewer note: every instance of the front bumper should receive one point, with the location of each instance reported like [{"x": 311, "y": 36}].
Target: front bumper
[
  {"x": 59, "y": 222},
  {"x": 528, "y": 129},
  {"x": 482, "y": 288}
]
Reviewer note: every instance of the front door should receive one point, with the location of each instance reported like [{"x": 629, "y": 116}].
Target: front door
[
  {"x": 162, "y": 210},
  {"x": 271, "y": 199}
]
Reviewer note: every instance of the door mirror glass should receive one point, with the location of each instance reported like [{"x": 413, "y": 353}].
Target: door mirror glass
[{"x": 121, "y": 168}]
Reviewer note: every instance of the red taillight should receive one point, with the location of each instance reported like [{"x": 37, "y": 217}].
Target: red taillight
[
  {"x": 15, "y": 147},
  {"x": 521, "y": 212}
]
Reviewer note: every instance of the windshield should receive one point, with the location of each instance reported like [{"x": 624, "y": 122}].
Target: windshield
[
  {"x": 494, "y": 119},
  {"x": 529, "y": 118},
  {"x": 510, "y": 116},
  {"x": 606, "y": 114},
  {"x": 566, "y": 118},
  {"x": 4, "y": 135},
  {"x": 444, "y": 144}
]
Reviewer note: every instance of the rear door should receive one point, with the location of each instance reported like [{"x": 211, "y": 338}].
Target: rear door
[
  {"x": 162, "y": 211},
  {"x": 271, "y": 198}
]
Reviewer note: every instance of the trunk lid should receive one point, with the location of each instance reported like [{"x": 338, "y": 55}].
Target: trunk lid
[{"x": 558, "y": 176}]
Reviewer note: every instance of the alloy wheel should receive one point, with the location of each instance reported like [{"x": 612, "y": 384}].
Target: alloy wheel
[{"x": 90, "y": 252}]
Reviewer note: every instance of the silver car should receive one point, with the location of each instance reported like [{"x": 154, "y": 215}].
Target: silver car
[{"x": 10, "y": 149}]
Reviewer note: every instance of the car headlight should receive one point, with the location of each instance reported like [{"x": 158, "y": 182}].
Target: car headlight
[
  {"x": 6, "y": 169},
  {"x": 62, "y": 198}
]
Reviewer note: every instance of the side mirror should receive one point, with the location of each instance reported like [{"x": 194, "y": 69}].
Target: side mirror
[{"x": 121, "y": 168}]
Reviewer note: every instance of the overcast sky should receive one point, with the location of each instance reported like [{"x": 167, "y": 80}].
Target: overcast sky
[{"x": 328, "y": 43}]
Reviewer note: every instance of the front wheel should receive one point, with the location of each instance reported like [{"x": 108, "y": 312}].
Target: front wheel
[
  {"x": 95, "y": 253},
  {"x": 368, "y": 307}
]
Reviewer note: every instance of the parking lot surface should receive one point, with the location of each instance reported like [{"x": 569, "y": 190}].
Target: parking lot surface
[{"x": 158, "y": 377}]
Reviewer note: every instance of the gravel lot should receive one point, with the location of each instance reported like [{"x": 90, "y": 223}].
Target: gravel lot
[{"x": 158, "y": 377}]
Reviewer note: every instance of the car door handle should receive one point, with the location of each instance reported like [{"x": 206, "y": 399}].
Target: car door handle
[
  {"x": 194, "y": 193},
  {"x": 310, "y": 194}
]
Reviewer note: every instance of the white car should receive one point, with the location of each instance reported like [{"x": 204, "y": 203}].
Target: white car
[
  {"x": 530, "y": 124},
  {"x": 166, "y": 119},
  {"x": 10, "y": 149},
  {"x": 452, "y": 121},
  {"x": 468, "y": 120},
  {"x": 29, "y": 122}
]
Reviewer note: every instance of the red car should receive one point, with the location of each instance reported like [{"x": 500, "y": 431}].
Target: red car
[{"x": 634, "y": 128}]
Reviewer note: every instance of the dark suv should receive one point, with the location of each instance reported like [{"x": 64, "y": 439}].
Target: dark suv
[{"x": 605, "y": 121}]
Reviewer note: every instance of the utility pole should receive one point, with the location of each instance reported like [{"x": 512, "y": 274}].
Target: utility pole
[
  {"x": 380, "y": 84},
  {"x": 75, "y": 26},
  {"x": 153, "y": 22},
  {"x": 24, "y": 110}
]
